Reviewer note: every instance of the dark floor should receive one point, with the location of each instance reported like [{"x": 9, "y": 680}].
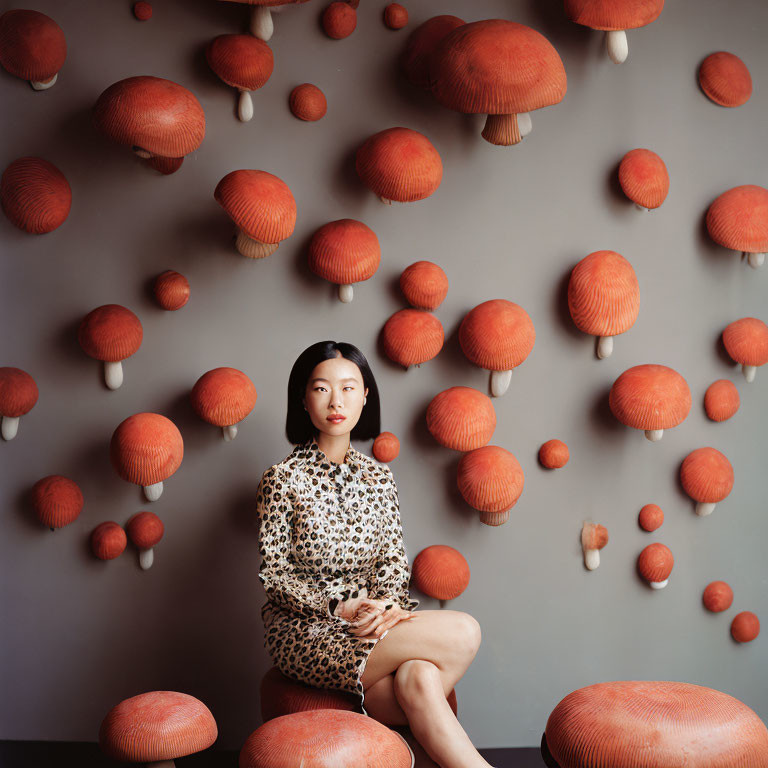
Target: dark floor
[{"x": 55, "y": 754}]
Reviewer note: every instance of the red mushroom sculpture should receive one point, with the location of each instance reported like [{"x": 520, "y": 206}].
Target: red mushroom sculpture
[
  {"x": 145, "y": 529},
  {"x": 498, "y": 68},
  {"x": 738, "y": 219},
  {"x": 308, "y": 102},
  {"x": 725, "y": 79},
  {"x": 644, "y": 178},
  {"x": 386, "y": 447},
  {"x": 262, "y": 207},
  {"x": 491, "y": 481},
  {"x": 146, "y": 449},
  {"x": 554, "y": 454},
  {"x": 108, "y": 541},
  {"x": 32, "y": 47},
  {"x": 110, "y": 333},
  {"x": 412, "y": 337},
  {"x": 157, "y": 118},
  {"x": 655, "y": 564},
  {"x": 171, "y": 290},
  {"x": 721, "y": 400},
  {"x": 262, "y": 25},
  {"x": 414, "y": 61},
  {"x": 593, "y": 538},
  {"x": 424, "y": 285},
  {"x": 745, "y": 627},
  {"x": 441, "y": 572},
  {"x": 243, "y": 62},
  {"x": 339, "y": 20},
  {"x": 57, "y": 501},
  {"x": 461, "y": 418},
  {"x": 223, "y": 397},
  {"x": 614, "y": 17},
  {"x": 717, "y": 596},
  {"x": 18, "y": 395},
  {"x": 707, "y": 477},
  {"x": 651, "y": 517},
  {"x": 746, "y": 341},
  {"x": 497, "y": 335},
  {"x": 604, "y": 297},
  {"x": 35, "y": 195}
]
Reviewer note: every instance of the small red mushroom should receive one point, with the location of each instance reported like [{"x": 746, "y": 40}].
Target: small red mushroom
[
  {"x": 308, "y": 102},
  {"x": 554, "y": 454},
  {"x": 655, "y": 564},
  {"x": 593, "y": 538},
  {"x": 32, "y": 47},
  {"x": 644, "y": 178},
  {"x": 145, "y": 529},
  {"x": 440, "y": 572},
  {"x": 424, "y": 285},
  {"x": 18, "y": 395},
  {"x": 745, "y": 627},
  {"x": 707, "y": 477},
  {"x": 171, "y": 290},
  {"x": 142, "y": 10},
  {"x": 721, "y": 400},
  {"x": 461, "y": 418},
  {"x": 717, "y": 597},
  {"x": 339, "y": 20},
  {"x": 108, "y": 541},
  {"x": 395, "y": 16},
  {"x": 651, "y": 517},
  {"x": 491, "y": 481},
  {"x": 746, "y": 341},
  {"x": 57, "y": 501},
  {"x": 738, "y": 219},
  {"x": 224, "y": 397},
  {"x": 412, "y": 337},
  {"x": 386, "y": 447},
  {"x": 725, "y": 79}
]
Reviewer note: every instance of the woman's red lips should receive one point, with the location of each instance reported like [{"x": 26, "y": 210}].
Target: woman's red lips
[{"x": 336, "y": 417}]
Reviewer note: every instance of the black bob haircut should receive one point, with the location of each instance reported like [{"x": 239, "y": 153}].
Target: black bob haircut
[{"x": 298, "y": 425}]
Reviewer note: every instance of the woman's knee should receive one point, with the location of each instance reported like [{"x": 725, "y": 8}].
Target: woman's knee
[
  {"x": 468, "y": 633},
  {"x": 415, "y": 679}
]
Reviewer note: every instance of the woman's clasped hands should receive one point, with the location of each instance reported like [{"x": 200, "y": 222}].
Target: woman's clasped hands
[{"x": 371, "y": 618}]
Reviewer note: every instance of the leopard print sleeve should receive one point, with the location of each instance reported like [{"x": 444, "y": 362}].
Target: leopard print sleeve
[{"x": 392, "y": 572}]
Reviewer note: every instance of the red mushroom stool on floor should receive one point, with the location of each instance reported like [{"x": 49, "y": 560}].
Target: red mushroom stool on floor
[{"x": 651, "y": 724}]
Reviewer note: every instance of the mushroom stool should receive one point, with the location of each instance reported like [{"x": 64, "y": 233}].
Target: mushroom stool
[
  {"x": 652, "y": 724},
  {"x": 282, "y": 695}
]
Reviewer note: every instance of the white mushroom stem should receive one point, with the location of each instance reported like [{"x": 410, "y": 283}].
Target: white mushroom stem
[
  {"x": 142, "y": 153},
  {"x": 604, "y": 346},
  {"x": 44, "y": 85},
  {"x": 113, "y": 374},
  {"x": 617, "y": 46},
  {"x": 146, "y": 558},
  {"x": 524, "y": 123},
  {"x": 10, "y": 426},
  {"x": 591, "y": 558},
  {"x": 654, "y": 435},
  {"x": 755, "y": 259},
  {"x": 229, "y": 432},
  {"x": 261, "y": 22},
  {"x": 659, "y": 584},
  {"x": 704, "y": 508},
  {"x": 494, "y": 518},
  {"x": 385, "y": 200},
  {"x": 345, "y": 293},
  {"x": 502, "y": 130},
  {"x": 641, "y": 207},
  {"x": 749, "y": 372},
  {"x": 500, "y": 382},
  {"x": 253, "y": 249},
  {"x": 245, "y": 106},
  {"x": 154, "y": 491}
]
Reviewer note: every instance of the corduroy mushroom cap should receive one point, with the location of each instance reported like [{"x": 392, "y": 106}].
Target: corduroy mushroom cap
[
  {"x": 110, "y": 333},
  {"x": 223, "y": 396},
  {"x": 655, "y": 562},
  {"x": 554, "y": 454},
  {"x": 725, "y": 79},
  {"x": 608, "y": 15},
  {"x": 146, "y": 448},
  {"x": 721, "y": 400},
  {"x": 594, "y": 536},
  {"x": 171, "y": 290},
  {"x": 259, "y": 203},
  {"x": 57, "y": 501},
  {"x": 145, "y": 529},
  {"x": 706, "y": 475},
  {"x": 18, "y": 392},
  {"x": 440, "y": 572},
  {"x": 308, "y": 102},
  {"x": 386, "y": 447},
  {"x": 461, "y": 418},
  {"x": 717, "y": 596},
  {"x": 603, "y": 294},
  {"x": 746, "y": 341},
  {"x": 32, "y": 45},
  {"x": 344, "y": 251},
  {"x": 399, "y": 164},
  {"x": 152, "y": 114},
  {"x": 108, "y": 541},
  {"x": 651, "y": 517},
  {"x": 424, "y": 285},
  {"x": 745, "y": 627},
  {"x": 35, "y": 195},
  {"x": 154, "y": 726},
  {"x": 497, "y": 335},
  {"x": 490, "y": 479},
  {"x": 242, "y": 61},
  {"x": 738, "y": 219},
  {"x": 412, "y": 336},
  {"x": 644, "y": 178},
  {"x": 414, "y": 61},
  {"x": 650, "y": 397}
]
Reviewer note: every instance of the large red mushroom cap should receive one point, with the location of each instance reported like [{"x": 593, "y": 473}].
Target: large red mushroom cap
[
  {"x": 154, "y": 726},
  {"x": 412, "y": 337},
  {"x": 441, "y": 572},
  {"x": 644, "y": 178},
  {"x": 707, "y": 477},
  {"x": 145, "y": 530},
  {"x": 308, "y": 102},
  {"x": 491, "y": 481},
  {"x": 32, "y": 47},
  {"x": 745, "y": 627},
  {"x": 108, "y": 541},
  {"x": 650, "y": 397},
  {"x": 223, "y": 397},
  {"x": 717, "y": 597},
  {"x": 35, "y": 195},
  {"x": 421, "y": 42},
  {"x": 738, "y": 219},
  {"x": 399, "y": 164},
  {"x": 461, "y": 418},
  {"x": 725, "y": 79},
  {"x": 424, "y": 285},
  {"x": 153, "y": 115},
  {"x": 386, "y": 447},
  {"x": 18, "y": 395},
  {"x": 593, "y": 538},
  {"x": 57, "y": 501},
  {"x": 262, "y": 207},
  {"x": 721, "y": 400},
  {"x": 499, "y": 68},
  {"x": 655, "y": 563},
  {"x": 746, "y": 341},
  {"x": 604, "y": 297}
]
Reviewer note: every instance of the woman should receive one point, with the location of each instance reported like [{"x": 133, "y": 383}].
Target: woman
[{"x": 334, "y": 568}]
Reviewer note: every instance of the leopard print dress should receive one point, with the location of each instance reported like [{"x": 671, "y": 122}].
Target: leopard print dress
[{"x": 327, "y": 529}]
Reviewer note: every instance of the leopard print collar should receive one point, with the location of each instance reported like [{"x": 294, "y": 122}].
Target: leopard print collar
[{"x": 353, "y": 460}]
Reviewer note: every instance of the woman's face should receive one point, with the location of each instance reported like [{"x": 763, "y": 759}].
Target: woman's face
[{"x": 335, "y": 387}]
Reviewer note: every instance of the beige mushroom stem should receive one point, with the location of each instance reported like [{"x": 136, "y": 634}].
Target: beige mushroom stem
[
  {"x": 154, "y": 491},
  {"x": 142, "y": 153},
  {"x": 44, "y": 85},
  {"x": 654, "y": 435},
  {"x": 502, "y": 130},
  {"x": 113, "y": 374},
  {"x": 146, "y": 558},
  {"x": 755, "y": 259},
  {"x": 617, "y": 46},
  {"x": 245, "y": 106},
  {"x": 704, "y": 508},
  {"x": 494, "y": 518},
  {"x": 253, "y": 249},
  {"x": 261, "y": 22},
  {"x": 749, "y": 372},
  {"x": 604, "y": 346},
  {"x": 345, "y": 293},
  {"x": 500, "y": 382},
  {"x": 10, "y": 426},
  {"x": 229, "y": 432}
]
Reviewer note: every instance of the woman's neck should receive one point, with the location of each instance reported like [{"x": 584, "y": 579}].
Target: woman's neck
[{"x": 335, "y": 447}]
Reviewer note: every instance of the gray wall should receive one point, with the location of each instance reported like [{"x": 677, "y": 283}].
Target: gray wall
[{"x": 79, "y": 634}]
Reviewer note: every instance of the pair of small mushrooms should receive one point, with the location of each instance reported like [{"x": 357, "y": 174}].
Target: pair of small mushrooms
[{"x": 144, "y": 529}]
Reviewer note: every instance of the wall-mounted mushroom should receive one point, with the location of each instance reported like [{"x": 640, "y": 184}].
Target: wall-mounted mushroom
[
  {"x": 424, "y": 285},
  {"x": 497, "y": 335},
  {"x": 386, "y": 447},
  {"x": 644, "y": 178},
  {"x": 497, "y": 68},
  {"x": 738, "y": 219},
  {"x": 745, "y": 627},
  {"x": 655, "y": 564},
  {"x": 344, "y": 252},
  {"x": 420, "y": 44},
  {"x": 721, "y": 400},
  {"x": 339, "y": 20},
  {"x": 593, "y": 538},
  {"x": 146, "y": 449},
  {"x": 461, "y": 418},
  {"x": 145, "y": 529},
  {"x": 243, "y": 62},
  {"x": 32, "y": 47},
  {"x": 308, "y": 102},
  {"x": 554, "y": 454},
  {"x": 262, "y": 207},
  {"x": 725, "y": 79},
  {"x": 108, "y": 541},
  {"x": 746, "y": 341},
  {"x": 491, "y": 481},
  {"x": 395, "y": 16},
  {"x": 707, "y": 477},
  {"x": 262, "y": 25},
  {"x": 650, "y": 397},
  {"x": 604, "y": 297},
  {"x": 399, "y": 164},
  {"x": 440, "y": 572},
  {"x": 412, "y": 337},
  {"x": 717, "y": 596},
  {"x": 35, "y": 195},
  {"x": 223, "y": 397},
  {"x": 18, "y": 395},
  {"x": 171, "y": 290},
  {"x": 110, "y": 333},
  {"x": 614, "y": 18},
  {"x": 142, "y": 10},
  {"x": 651, "y": 517},
  {"x": 57, "y": 501},
  {"x": 154, "y": 116}
]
